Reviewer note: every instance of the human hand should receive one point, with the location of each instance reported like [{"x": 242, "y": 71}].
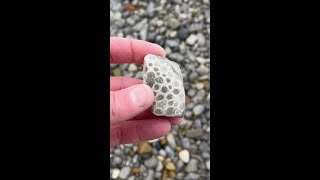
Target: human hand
[{"x": 131, "y": 119}]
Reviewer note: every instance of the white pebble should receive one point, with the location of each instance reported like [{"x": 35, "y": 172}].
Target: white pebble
[{"x": 184, "y": 155}]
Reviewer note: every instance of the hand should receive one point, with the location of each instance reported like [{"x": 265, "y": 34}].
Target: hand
[{"x": 131, "y": 119}]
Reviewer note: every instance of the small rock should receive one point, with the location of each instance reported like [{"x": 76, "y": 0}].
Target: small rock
[
  {"x": 199, "y": 86},
  {"x": 117, "y": 72},
  {"x": 201, "y": 39},
  {"x": 140, "y": 25},
  {"x": 198, "y": 109},
  {"x": 192, "y": 39},
  {"x": 180, "y": 176},
  {"x": 173, "y": 23},
  {"x": 193, "y": 133},
  {"x": 159, "y": 166},
  {"x": 171, "y": 140},
  {"x": 191, "y": 176},
  {"x": 170, "y": 166},
  {"x": 117, "y": 160},
  {"x": 184, "y": 155},
  {"x": 131, "y": 178},
  {"x": 144, "y": 147},
  {"x": 208, "y": 165},
  {"x": 192, "y": 92},
  {"x": 144, "y": 32},
  {"x": 180, "y": 165},
  {"x": 172, "y": 43},
  {"x": 202, "y": 70},
  {"x": 132, "y": 67},
  {"x": 135, "y": 170},
  {"x": 193, "y": 76},
  {"x": 162, "y": 153},
  {"x": 183, "y": 33},
  {"x": 173, "y": 34},
  {"x": 192, "y": 166},
  {"x": 185, "y": 142},
  {"x": 115, "y": 173},
  {"x": 151, "y": 162},
  {"x": 169, "y": 151},
  {"x": 150, "y": 175},
  {"x": 124, "y": 173}
]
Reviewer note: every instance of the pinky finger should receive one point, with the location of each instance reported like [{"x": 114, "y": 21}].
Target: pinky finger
[{"x": 140, "y": 130}]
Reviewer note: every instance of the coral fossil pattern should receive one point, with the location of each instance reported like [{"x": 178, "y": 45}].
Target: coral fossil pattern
[{"x": 165, "y": 79}]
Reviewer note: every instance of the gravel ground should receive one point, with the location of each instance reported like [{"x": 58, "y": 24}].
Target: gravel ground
[{"x": 182, "y": 28}]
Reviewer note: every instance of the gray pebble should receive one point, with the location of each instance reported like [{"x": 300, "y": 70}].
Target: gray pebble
[
  {"x": 150, "y": 175},
  {"x": 198, "y": 109},
  {"x": 192, "y": 165},
  {"x": 191, "y": 176},
  {"x": 151, "y": 162},
  {"x": 193, "y": 133},
  {"x": 124, "y": 173}
]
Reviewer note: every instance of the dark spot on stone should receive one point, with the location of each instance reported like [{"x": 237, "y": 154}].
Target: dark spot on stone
[
  {"x": 150, "y": 64},
  {"x": 161, "y": 104},
  {"x": 159, "y": 80},
  {"x": 169, "y": 111},
  {"x": 156, "y": 69},
  {"x": 182, "y": 106},
  {"x": 164, "y": 75},
  {"x": 170, "y": 103},
  {"x": 158, "y": 111},
  {"x": 176, "y": 91},
  {"x": 164, "y": 89},
  {"x": 156, "y": 87},
  {"x": 170, "y": 87},
  {"x": 168, "y": 80},
  {"x": 160, "y": 97},
  {"x": 158, "y": 73},
  {"x": 175, "y": 104},
  {"x": 146, "y": 69},
  {"x": 151, "y": 75},
  {"x": 150, "y": 81},
  {"x": 169, "y": 96}
]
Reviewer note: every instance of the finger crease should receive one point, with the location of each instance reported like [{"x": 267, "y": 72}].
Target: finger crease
[
  {"x": 138, "y": 127},
  {"x": 114, "y": 107},
  {"x": 132, "y": 52}
]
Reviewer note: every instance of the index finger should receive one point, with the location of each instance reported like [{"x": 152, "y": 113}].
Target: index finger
[{"x": 124, "y": 50}]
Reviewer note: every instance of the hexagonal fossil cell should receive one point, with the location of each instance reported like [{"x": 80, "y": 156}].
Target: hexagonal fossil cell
[{"x": 166, "y": 80}]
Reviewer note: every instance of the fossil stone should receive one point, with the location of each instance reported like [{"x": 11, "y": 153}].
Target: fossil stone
[{"x": 166, "y": 80}]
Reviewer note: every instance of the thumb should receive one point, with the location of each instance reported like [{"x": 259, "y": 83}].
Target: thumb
[{"x": 128, "y": 103}]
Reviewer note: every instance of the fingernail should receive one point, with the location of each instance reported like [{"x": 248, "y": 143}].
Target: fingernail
[{"x": 140, "y": 96}]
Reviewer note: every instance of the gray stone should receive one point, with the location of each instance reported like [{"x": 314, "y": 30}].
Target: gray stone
[
  {"x": 165, "y": 79},
  {"x": 198, "y": 109},
  {"x": 192, "y": 39},
  {"x": 124, "y": 173},
  {"x": 150, "y": 175},
  {"x": 183, "y": 33},
  {"x": 176, "y": 56},
  {"x": 169, "y": 152},
  {"x": 208, "y": 164},
  {"x": 173, "y": 23},
  {"x": 171, "y": 140},
  {"x": 193, "y": 133},
  {"x": 151, "y": 162},
  {"x": 172, "y": 43},
  {"x": 140, "y": 25},
  {"x": 191, "y": 176},
  {"x": 179, "y": 165},
  {"x": 144, "y": 32},
  {"x": 185, "y": 142},
  {"x": 117, "y": 160},
  {"x": 193, "y": 76},
  {"x": 159, "y": 166},
  {"x": 192, "y": 166},
  {"x": 201, "y": 39}
]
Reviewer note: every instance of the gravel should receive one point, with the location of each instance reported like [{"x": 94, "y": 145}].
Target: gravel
[{"x": 181, "y": 27}]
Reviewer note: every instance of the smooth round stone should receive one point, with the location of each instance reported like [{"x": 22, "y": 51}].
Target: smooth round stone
[
  {"x": 115, "y": 173},
  {"x": 184, "y": 155}
]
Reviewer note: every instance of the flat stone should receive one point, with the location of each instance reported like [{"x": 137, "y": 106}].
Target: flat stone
[
  {"x": 198, "y": 109},
  {"x": 150, "y": 175},
  {"x": 192, "y": 166},
  {"x": 170, "y": 166},
  {"x": 193, "y": 133},
  {"x": 144, "y": 147},
  {"x": 132, "y": 67},
  {"x": 192, "y": 39},
  {"x": 166, "y": 80},
  {"x": 151, "y": 162},
  {"x": 184, "y": 155},
  {"x": 115, "y": 173},
  {"x": 171, "y": 140},
  {"x": 124, "y": 173}
]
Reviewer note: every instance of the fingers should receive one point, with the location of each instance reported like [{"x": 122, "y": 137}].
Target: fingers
[
  {"x": 118, "y": 83},
  {"x": 124, "y": 50},
  {"x": 128, "y": 103},
  {"x": 136, "y": 131},
  {"x": 147, "y": 114}
]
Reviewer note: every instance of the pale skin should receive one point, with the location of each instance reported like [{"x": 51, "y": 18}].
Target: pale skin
[{"x": 131, "y": 120}]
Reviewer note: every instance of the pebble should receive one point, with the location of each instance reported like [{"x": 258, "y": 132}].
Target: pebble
[
  {"x": 201, "y": 39},
  {"x": 169, "y": 151},
  {"x": 192, "y": 39},
  {"x": 208, "y": 165},
  {"x": 170, "y": 166},
  {"x": 183, "y": 33},
  {"x": 173, "y": 23},
  {"x": 140, "y": 25},
  {"x": 171, "y": 141},
  {"x": 193, "y": 133},
  {"x": 150, "y": 175},
  {"x": 144, "y": 147},
  {"x": 132, "y": 67},
  {"x": 192, "y": 166},
  {"x": 191, "y": 176},
  {"x": 159, "y": 166},
  {"x": 184, "y": 155},
  {"x": 185, "y": 143},
  {"x": 151, "y": 162},
  {"x": 198, "y": 109},
  {"x": 131, "y": 178},
  {"x": 115, "y": 173},
  {"x": 124, "y": 173},
  {"x": 117, "y": 160}
]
